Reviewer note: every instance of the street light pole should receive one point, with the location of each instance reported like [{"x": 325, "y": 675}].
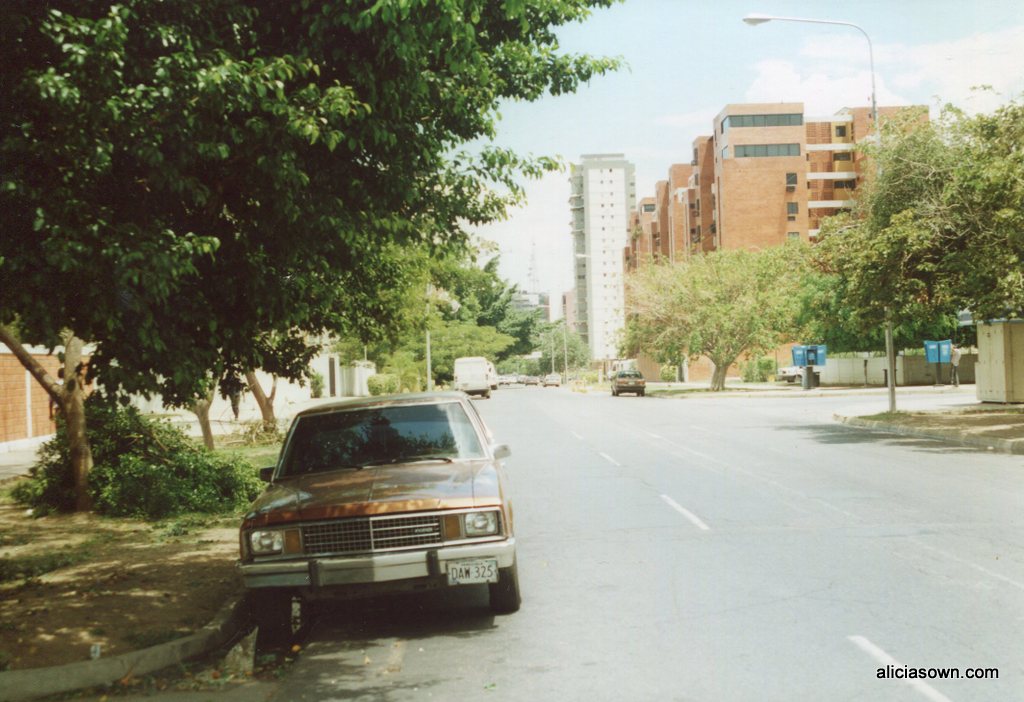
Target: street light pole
[{"x": 890, "y": 349}]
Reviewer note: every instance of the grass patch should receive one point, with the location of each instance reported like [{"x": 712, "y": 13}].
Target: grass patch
[{"x": 28, "y": 567}]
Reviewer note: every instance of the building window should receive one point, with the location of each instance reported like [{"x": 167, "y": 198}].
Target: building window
[
  {"x": 792, "y": 235},
  {"x": 841, "y": 156},
  {"x": 791, "y": 179},
  {"x": 788, "y": 120},
  {"x": 792, "y": 209},
  {"x": 766, "y": 150},
  {"x": 845, "y": 184},
  {"x": 841, "y": 131}
]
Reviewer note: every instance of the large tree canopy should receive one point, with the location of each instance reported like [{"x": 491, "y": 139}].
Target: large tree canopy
[
  {"x": 195, "y": 187},
  {"x": 938, "y": 229},
  {"x": 717, "y": 305}
]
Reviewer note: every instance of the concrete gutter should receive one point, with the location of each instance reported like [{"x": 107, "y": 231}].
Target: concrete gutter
[
  {"x": 1015, "y": 446},
  {"x": 32, "y": 683}
]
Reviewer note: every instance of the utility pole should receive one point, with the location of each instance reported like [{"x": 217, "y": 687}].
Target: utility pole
[{"x": 430, "y": 374}]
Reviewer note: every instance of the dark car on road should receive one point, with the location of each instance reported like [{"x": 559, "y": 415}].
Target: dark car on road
[
  {"x": 628, "y": 381},
  {"x": 380, "y": 495}
]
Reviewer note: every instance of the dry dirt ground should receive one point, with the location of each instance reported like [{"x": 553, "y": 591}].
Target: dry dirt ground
[
  {"x": 993, "y": 423},
  {"x": 69, "y": 582}
]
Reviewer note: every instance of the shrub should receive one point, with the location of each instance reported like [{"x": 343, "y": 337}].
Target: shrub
[
  {"x": 316, "y": 385},
  {"x": 757, "y": 370},
  {"x": 141, "y": 468},
  {"x": 668, "y": 373},
  {"x": 383, "y": 384}
]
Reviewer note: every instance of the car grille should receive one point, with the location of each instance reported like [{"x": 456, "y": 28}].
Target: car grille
[{"x": 363, "y": 534}]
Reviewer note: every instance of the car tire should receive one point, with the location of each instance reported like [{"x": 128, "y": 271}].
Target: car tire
[
  {"x": 640, "y": 394},
  {"x": 615, "y": 393},
  {"x": 272, "y": 611},
  {"x": 505, "y": 597},
  {"x": 487, "y": 395}
]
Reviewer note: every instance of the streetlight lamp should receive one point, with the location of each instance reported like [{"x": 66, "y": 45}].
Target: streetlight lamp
[{"x": 755, "y": 19}]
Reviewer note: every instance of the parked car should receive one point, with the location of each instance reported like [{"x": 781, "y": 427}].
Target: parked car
[
  {"x": 379, "y": 495},
  {"x": 553, "y": 379},
  {"x": 790, "y": 374},
  {"x": 507, "y": 379},
  {"x": 531, "y": 380},
  {"x": 628, "y": 381}
]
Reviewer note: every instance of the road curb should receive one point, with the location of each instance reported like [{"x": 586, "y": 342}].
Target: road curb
[
  {"x": 993, "y": 444},
  {"x": 31, "y": 683}
]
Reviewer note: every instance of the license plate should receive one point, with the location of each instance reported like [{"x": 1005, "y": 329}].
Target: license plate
[{"x": 472, "y": 571}]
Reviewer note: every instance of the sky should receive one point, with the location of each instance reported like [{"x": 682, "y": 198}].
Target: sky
[{"x": 687, "y": 59}]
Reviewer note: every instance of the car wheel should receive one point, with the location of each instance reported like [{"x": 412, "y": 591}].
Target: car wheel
[
  {"x": 487, "y": 395},
  {"x": 505, "y": 597},
  {"x": 274, "y": 612},
  {"x": 615, "y": 392},
  {"x": 640, "y": 394}
]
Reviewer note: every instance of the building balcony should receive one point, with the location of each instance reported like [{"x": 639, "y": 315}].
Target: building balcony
[
  {"x": 832, "y": 175},
  {"x": 833, "y": 146},
  {"x": 829, "y": 204}
]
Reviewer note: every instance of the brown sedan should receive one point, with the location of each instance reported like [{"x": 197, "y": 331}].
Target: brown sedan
[
  {"x": 628, "y": 381},
  {"x": 396, "y": 493}
]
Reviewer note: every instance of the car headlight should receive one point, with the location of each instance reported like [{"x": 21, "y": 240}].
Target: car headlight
[
  {"x": 481, "y": 523},
  {"x": 266, "y": 542}
]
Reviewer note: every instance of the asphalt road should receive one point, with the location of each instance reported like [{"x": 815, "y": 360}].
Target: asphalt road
[{"x": 718, "y": 549}]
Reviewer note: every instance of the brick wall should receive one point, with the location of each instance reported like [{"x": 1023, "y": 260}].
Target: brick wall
[{"x": 20, "y": 398}]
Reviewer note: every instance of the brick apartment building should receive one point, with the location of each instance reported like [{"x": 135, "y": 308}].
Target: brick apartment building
[{"x": 766, "y": 175}]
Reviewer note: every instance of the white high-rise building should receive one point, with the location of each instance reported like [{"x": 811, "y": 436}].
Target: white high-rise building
[{"x": 603, "y": 194}]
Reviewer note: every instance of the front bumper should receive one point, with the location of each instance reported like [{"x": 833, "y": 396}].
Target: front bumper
[{"x": 374, "y": 568}]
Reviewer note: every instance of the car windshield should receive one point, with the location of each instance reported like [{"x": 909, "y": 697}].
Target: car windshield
[
  {"x": 629, "y": 374},
  {"x": 379, "y": 436}
]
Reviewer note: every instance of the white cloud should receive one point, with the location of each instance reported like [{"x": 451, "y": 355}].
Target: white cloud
[
  {"x": 834, "y": 72},
  {"x": 951, "y": 70}
]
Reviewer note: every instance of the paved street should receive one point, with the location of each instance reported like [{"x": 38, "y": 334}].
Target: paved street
[{"x": 718, "y": 549}]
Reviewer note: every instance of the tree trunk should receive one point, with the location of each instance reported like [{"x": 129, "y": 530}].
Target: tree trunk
[
  {"x": 70, "y": 397},
  {"x": 718, "y": 377},
  {"x": 201, "y": 408},
  {"x": 265, "y": 402}
]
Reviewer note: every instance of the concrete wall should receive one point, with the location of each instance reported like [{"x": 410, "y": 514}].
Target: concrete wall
[{"x": 910, "y": 370}]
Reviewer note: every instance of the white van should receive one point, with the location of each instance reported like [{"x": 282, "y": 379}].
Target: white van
[{"x": 473, "y": 375}]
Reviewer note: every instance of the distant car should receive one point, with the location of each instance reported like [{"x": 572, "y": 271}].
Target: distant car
[
  {"x": 553, "y": 379},
  {"x": 628, "y": 381},
  {"x": 380, "y": 495},
  {"x": 531, "y": 380},
  {"x": 507, "y": 379},
  {"x": 790, "y": 374}
]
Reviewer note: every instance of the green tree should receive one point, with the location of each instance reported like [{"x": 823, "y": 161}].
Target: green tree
[
  {"x": 717, "y": 305},
  {"x": 197, "y": 189},
  {"x": 937, "y": 230},
  {"x": 556, "y": 344},
  {"x": 451, "y": 340}
]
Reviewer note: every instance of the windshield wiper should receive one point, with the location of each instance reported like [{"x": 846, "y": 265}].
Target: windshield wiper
[{"x": 407, "y": 459}]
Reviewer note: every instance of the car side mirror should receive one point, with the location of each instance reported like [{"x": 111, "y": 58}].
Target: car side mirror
[
  {"x": 267, "y": 473},
  {"x": 501, "y": 450}
]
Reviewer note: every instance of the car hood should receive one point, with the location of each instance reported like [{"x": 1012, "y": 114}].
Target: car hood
[{"x": 410, "y": 487}]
